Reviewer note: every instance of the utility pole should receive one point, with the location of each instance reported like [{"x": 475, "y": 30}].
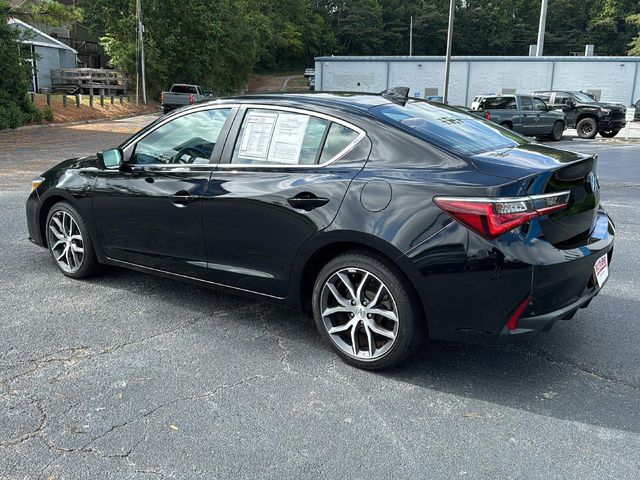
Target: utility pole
[
  {"x": 141, "y": 40},
  {"x": 447, "y": 61},
  {"x": 541, "y": 28},
  {"x": 411, "y": 36}
]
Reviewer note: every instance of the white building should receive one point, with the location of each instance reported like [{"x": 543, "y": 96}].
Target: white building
[{"x": 612, "y": 79}]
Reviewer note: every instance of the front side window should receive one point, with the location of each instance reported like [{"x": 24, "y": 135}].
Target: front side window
[
  {"x": 539, "y": 105},
  {"x": 188, "y": 139},
  {"x": 526, "y": 103},
  {"x": 448, "y": 128},
  {"x": 273, "y": 137}
]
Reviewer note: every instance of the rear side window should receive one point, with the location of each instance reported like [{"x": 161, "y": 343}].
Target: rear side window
[
  {"x": 499, "y": 103},
  {"x": 338, "y": 139},
  {"x": 448, "y": 128},
  {"x": 273, "y": 137},
  {"x": 184, "y": 89}
]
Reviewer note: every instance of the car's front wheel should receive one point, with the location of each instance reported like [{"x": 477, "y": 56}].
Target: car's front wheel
[
  {"x": 587, "y": 128},
  {"x": 69, "y": 242},
  {"x": 557, "y": 131},
  {"x": 365, "y": 308},
  {"x": 609, "y": 133}
]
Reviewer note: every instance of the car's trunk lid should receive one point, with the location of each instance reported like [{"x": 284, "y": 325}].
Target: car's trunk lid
[{"x": 540, "y": 170}]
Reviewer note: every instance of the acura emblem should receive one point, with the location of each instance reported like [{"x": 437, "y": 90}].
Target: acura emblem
[{"x": 591, "y": 183}]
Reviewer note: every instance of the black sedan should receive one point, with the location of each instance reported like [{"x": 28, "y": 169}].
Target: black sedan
[{"x": 389, "y": 218}]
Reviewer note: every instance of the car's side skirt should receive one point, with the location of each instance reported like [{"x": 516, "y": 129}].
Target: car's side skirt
[{"x": 179, "y": 276}]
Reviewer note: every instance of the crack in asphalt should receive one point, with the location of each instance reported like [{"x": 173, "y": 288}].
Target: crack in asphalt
[
  {"x": 567, "y": 362},
  {"x": 42, "y": 423}
]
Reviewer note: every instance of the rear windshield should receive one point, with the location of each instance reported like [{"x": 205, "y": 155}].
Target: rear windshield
[
  {"x": 498, "y": 103},
  {"x": 449, "y": 128},
  {"x": 184, "y": 89}
]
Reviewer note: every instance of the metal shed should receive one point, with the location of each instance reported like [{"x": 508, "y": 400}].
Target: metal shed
[{"x": 45, "y": 54}]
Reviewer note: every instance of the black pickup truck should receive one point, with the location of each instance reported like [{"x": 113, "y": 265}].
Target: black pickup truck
[{"x": 588, "y": 116}]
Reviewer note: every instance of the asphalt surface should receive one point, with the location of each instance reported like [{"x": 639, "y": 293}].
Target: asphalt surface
[{"x": 133, "y": 376}]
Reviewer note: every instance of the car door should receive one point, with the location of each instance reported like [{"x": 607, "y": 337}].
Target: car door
[
  {"x": 563, "y": 101},
  {"x": 528, "y": 116},
  {"x": 282, "y": 178},
  {"x": 149, "y": 211},
  {"x": 544, "y": 120}
]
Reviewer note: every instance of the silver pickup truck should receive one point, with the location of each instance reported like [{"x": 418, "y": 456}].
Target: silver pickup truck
[
  {"x": 181, "y": 94},
  {"x": 524, "y": 114}
]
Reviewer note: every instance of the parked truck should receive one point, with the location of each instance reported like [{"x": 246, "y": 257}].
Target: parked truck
[
  {"x": 181, "y": 94},
  {"x": 588, "y": 116},
  {"x": 524, "y": 114}
]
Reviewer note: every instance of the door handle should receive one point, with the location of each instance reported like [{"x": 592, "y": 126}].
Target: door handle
[
  {"x": 182, "y": 198},
  {"x": 307, "y": 201}
]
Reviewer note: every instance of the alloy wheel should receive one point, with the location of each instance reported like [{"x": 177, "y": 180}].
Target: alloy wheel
[
  {"x": 586, "y": 129},
  {"x": 65, "y": 240},
  {"x": 359, "y": 313}
]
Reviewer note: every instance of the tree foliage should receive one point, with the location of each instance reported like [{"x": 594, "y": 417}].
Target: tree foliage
[
  {"x": 15, "y": 106},
  {"x": 219, "y": 44}
]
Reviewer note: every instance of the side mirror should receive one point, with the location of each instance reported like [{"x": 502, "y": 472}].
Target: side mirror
[{"x": 111, "y": 159}]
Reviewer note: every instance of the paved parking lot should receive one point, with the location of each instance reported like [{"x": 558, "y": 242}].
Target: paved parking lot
[{"x": 133, "y": 376}]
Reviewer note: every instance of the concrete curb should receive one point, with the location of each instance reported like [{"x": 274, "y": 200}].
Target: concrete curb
[{"x": 78, "y": 122}]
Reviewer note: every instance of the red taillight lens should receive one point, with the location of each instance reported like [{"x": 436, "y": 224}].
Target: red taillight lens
[
  {"x": 162, "y": 97},
  {"x": 491, "y": 217},
  {"x": 192, "y": 98},
  {"x": 487, "y": 115}
]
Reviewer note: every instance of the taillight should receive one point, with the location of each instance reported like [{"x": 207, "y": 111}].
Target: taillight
[
  {"x": 162, "y": 97},
  {"x": 491, "y": 217},
  {"x": 192, "y": 98},
  {"x": 487, "y": 115}
]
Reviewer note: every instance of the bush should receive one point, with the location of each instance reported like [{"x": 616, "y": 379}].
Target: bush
[
  {"x": 46, "y": 113},
  {"x": 10, "y": 115},
  {"x": 30, "y": 113}
]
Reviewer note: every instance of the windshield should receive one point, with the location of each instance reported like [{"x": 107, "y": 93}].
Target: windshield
[
  {"x": 582, "y": 97},
  {"x": 449, "y": 128}
]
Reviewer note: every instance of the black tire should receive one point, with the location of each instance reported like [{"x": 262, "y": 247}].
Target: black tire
[
  {"x": 506, "y": 125},
  {"x": 165, "y": 110},
  {"x": 557, "y": 131},
  {"x": 410, "y": 328},
  {"x": 587, "y": 128},
  {"x": 89, "y": 265},
  {"x": 609, "y": 133}
]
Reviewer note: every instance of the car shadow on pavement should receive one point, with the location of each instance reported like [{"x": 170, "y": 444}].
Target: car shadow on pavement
[
  {"x": 521, "y": 377},
  {"x": 524, "y": 377}
]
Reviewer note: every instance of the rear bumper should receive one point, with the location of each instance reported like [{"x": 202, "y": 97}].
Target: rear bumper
[
  {"x": 529, "y": 327},
  {"x": 469, "y": 296}
]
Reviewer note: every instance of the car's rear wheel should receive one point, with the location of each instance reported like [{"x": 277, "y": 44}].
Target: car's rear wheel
[
  {"x": 609, "y": 133},
  {"x": 507, "y": 125},
  {"x": 69, "y": 242},
  {"x": 365, "y": 310},
  {"x": 587, "y": 128},
  {"x": 556, "y": 132}
]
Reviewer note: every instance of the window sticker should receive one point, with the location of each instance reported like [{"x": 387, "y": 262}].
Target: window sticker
[
  {"x": 257, "y": 135},
  {"x": 288, "y": 137}
]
